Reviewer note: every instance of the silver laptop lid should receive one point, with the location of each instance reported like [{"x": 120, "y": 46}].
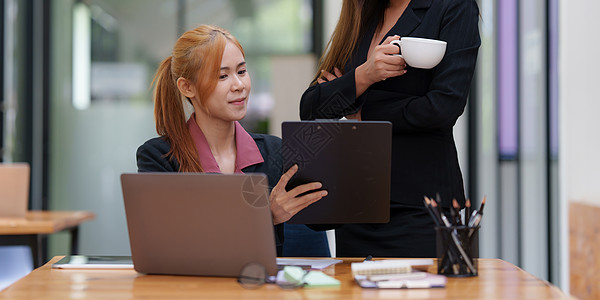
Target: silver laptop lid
[{"x": 197, "y": 223}]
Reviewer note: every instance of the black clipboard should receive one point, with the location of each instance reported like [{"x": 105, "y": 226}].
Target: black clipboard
[{"x": 351, "y": 159}]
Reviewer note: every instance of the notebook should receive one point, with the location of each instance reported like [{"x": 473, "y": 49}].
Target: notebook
[
  {"x": 396, "y": 274},
  {"x": 353, "y": 162},
  {"x": 198, "y": 223},
  {"x": 14, "y": 189}
]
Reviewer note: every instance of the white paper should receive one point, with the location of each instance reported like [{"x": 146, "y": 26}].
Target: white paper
[{"x": 317, "y": 264}]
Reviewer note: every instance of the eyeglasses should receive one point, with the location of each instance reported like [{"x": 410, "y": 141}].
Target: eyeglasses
[{"x": 254, "y": 275}]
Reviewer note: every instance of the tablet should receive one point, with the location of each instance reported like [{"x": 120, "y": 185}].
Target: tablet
[
  {"x": 93, "y": 262},
  {"x": 351, "y": 159}
]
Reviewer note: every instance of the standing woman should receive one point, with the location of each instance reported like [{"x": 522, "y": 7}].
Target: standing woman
[
  {"x": 207, "y": 68},
  {"x": 359, "y": 78}
]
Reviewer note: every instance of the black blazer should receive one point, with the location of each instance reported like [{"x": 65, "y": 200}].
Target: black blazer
[
  {"x": 152, "y": 157},
  {"x": 423, "y": 105}
]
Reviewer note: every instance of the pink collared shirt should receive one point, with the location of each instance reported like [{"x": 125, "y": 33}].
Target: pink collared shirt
[{"x": 247, "y": 153}]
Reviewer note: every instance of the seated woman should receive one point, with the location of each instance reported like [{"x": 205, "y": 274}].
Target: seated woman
[{"x": 207, "y": 68}]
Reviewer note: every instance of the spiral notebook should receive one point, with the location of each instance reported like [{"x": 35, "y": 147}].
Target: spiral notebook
[
  {"x": 396, "y": 274},
  {"x": 389, "y": 266}
]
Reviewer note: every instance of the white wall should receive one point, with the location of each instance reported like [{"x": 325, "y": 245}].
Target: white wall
[
  {"x": 331, "y": 13},
  {"x": 579, "y": 106},
  {"x": 579, "y": 78},
  {"x": 291, "y": 76}
]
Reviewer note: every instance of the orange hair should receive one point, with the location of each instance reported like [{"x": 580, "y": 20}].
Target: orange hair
[{"x": 196, "y": 57}]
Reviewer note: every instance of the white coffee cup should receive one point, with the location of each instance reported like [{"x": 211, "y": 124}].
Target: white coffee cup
[{"x": 420, "y": 52}]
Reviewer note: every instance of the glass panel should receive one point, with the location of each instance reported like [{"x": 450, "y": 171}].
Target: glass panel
[
  {"x": 487, "y": 126},
  {"x": 555, "y": 218},
  {"x": 508, "y": 137},
  {"x": 14, "y": 121},
  {"x": 265, "y": 28},
  {"x": 507, "y": 79},
  {"x": 15, "y": 124},
  {"x": 91, "y": 147},
  {"x": 533, "y": 137}
]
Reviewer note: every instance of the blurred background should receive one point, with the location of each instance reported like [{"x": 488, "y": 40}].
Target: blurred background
[{"x": 76, "y": 103}]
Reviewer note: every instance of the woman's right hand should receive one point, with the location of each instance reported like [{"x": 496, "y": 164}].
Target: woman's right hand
[
  {"x": 380, "y": 65},
  {"x": 285, "y": 204}
]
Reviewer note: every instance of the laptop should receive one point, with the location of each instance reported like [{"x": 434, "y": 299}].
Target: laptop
[
  {"x": 198, "y": 223},
  {"x": 14, "y": 189},
  {"x": 353, "y": 162}
]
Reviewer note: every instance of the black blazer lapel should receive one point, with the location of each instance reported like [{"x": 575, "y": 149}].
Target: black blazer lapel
[
  {"x": 250, "y": 169},
  {"x": 410, "y": 19},
  {"x": 406, "y": 24}
]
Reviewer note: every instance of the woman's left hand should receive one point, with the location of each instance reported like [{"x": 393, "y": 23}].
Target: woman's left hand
[
  {"x": 326, "y": 76},
  {"x": 285, "y": 204}
]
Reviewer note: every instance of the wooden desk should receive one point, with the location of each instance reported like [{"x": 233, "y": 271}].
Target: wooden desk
[
  {"x": 498, "y": 280},
  {"x": 36, "y": 224}
]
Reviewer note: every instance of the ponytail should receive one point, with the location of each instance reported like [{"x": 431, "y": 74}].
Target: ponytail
[
  {"x": 170, "y": 120},
  {"x": 196, "y": 57}
]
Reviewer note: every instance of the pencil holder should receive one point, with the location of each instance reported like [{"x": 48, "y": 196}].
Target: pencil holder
[{"x": 457, "y": 250}]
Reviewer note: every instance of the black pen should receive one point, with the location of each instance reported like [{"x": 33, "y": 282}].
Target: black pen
[
  {"x": 453, "y": 216},
  {"x": 456, "y": 214},
  {"x": 482, "y": 204},
  {"x": 476, "y": 219},
  {"x": 436, "y": 210},
  {"x": 431, "y": 212},
  {"x": 467, "y": 211}
]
